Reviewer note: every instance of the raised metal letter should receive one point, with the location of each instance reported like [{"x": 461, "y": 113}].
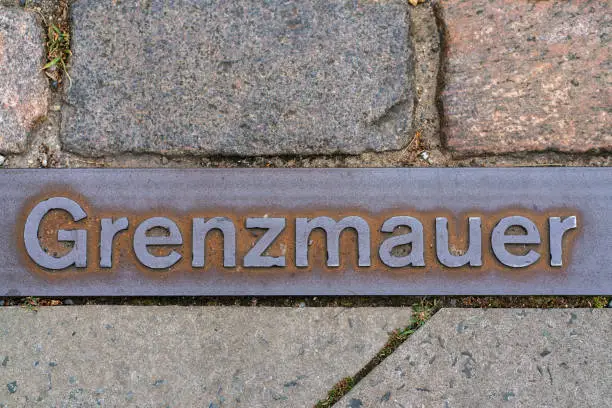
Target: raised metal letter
[
  {"x": 414, "y": 237},
  {"x": 200, "y": 231},
  {"x": 473, "y": 255},
  {"x": 141, "y": 241},
  {"x": 108, "y": 231},
  {"x": 333, "y": 229},
  {"x": 557, "y": 230},
  {"x": 274, "y": 226},
  {"x": 77, "y": 256},
  {"x": 499, "y": 239}
]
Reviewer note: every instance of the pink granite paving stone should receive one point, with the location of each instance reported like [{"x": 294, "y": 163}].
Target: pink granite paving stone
[
  {"x": 526, "y": 76},
  {"x": 23, "y": 87}
]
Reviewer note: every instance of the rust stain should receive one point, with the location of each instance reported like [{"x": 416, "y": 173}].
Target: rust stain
[{"x": 124, "y": 257}]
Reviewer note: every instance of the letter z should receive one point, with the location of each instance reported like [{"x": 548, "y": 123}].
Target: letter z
[{"x": 274, "y": 226}]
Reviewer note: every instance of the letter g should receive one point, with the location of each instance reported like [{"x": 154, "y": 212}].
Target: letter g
[{"x": 77, "y": 256}]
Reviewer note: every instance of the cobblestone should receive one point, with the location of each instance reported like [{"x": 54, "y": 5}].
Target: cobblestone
[{"x": 23, "y": 87}]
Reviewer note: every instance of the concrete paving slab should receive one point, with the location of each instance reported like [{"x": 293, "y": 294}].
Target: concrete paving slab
[
  {"x": 241, "y": 78},
  {"x": 497, "y": 358},
  {"x": 184, "y": 356}
]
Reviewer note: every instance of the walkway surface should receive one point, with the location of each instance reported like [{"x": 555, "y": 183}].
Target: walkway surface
[
  {"x": 291, "y": 357},
  {"x": 497, "y": 358},
  {"x": 172, "y": 356}
]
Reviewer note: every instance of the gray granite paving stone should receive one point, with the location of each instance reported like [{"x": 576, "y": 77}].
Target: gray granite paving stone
[
  {"x": 121, "y": 356},
  {"x": 23, "y": 87},
  {"x": 497, "y": 358},
  {"x": 239, "y": 78}
]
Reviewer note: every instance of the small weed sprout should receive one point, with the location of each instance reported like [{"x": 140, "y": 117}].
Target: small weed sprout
[
  {"x": 58, "y": 53},
  {"x": 31, "y": 303}
]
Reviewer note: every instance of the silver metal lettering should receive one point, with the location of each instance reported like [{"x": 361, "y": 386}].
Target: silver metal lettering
[
  {"x": 109, "y": 229},
  {"x": 416, "y": 256},
  {"x": 557, "y": 229},
  {"x": 333, "y": 229},
  {"x": 201, "y": 228},
  {"x": 499, "y": 239},
  {"x": 77, "y": 256},
  {"x": 254, "y": 258},
  {"x": 142, "y": 240},
  {"x": 472, "y": 256}
]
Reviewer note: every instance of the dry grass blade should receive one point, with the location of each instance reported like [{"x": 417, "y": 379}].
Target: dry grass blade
[{"x": 58, "y": 53}]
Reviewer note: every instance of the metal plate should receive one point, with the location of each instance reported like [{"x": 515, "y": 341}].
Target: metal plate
[{"x": 281, "y": 203}]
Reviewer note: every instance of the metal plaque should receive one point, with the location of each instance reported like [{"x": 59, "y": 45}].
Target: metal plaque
[{"x": 124, "y": 232}]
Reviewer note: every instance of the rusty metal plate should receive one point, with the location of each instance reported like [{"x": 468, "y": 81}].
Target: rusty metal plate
[{"x": 125, "y": 232}]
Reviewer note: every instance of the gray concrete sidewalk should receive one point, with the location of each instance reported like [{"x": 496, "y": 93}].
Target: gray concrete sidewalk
[
  {"x": 118, "y": 356},
  {"x": 497, "y": 358}
]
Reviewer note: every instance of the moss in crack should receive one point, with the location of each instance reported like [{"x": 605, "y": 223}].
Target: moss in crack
[
  {"x": 421, "y": 313},
  {"x": 339, "y": 390},
  {"x": 599, "y": 302}
]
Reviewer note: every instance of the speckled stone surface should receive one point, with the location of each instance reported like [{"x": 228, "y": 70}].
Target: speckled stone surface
[
  {"x": 239, "y": 77},
  {"x": 121, "y": 356},
  {"x": 23, "y": 87},
  {"x": 527, "y": 76},
  {"x": 497, "y": 358}
]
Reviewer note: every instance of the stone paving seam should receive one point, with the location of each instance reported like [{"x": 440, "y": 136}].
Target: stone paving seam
[
  {"x": 496, "y": 357},
  {"x": 420, "y": 316}
]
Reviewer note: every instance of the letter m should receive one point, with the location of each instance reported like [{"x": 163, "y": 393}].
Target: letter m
[{"x": 333, "y": 229}]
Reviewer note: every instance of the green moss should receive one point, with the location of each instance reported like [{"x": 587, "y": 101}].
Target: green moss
[
  {"x": 599, "y": 302},
  {"x": 338, "y": 391}
]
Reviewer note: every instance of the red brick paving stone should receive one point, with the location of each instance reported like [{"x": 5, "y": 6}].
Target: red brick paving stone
[
  {"x": 23, "y": 87},
  {"x": 527, "y": 76}
]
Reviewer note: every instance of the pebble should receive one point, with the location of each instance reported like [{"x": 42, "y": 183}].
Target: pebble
[
  {"x": 425, "y": 156},
  {"x": 12, "y": 387},
  {"x": 610, "y": 304},
  {"x": 2, "y": 160},
  {"x": 68, "y": 302}
]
